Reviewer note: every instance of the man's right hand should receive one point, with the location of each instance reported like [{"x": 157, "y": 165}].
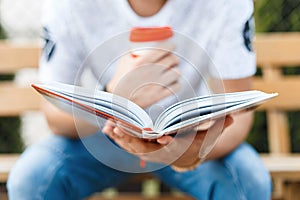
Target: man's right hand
[{"x": 147, "y": 78}]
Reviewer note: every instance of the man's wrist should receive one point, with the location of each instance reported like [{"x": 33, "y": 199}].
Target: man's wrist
[{"x": 190, "y": 167}]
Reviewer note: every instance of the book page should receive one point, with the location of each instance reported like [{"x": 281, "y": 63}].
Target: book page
[
  {"x": 101, "y": 104},
  {"x": 209, "y": 100},
  {"x": 224, "y": 109}
]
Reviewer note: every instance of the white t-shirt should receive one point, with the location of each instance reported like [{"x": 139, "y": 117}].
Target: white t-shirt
[{"x": 76, "y": 29}]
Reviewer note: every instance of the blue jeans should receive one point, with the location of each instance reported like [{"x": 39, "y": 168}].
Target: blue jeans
[{"x": 60, "y": 168}]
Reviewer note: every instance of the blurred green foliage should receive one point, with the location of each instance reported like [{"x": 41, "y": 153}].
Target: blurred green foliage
[
  {"x": 258, "y": 134},
  {"x": 6, "y": 77},
  {"x": 294, "y": 118},
  {"x": 10, "y": 140},
  {"x": 277, "y": 15},
  {"x": 291, "y": 71},
  {"x": 2, "y": 33}
]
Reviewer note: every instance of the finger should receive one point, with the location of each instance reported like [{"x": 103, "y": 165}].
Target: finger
[
  {"x": 164, "y": 140},
  {"x": 169, "y": 76},
  {"x": 124, "y": 133},
  {"x": 138, "y": 145},
  {"x": 168, "y": 62},
  {"x": 225, "y": 122},
  {"x": 108, "y": 126},
  {"x": 121, "y": 143},
  {"x": 129, "y": 142},
  {"x": 170, "y": 89},
  {"x": 204, "y": 126},
  {"x": 221, "y": 124},
  {"x": 118, "y": 132},
  {"x": 155, "y": 54},
  {"x": 110, "y": 122},
  {"x": 228, "y": 121},
  {"x": 108, "y": 130}
]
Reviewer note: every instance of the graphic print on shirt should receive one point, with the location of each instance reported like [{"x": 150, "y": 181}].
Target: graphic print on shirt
[
  {"x": 248, "y": 33},
  {"x": 49, "y": 46}
]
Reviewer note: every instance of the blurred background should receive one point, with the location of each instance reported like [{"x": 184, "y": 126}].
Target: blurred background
[{"x": 20, "y": 22}]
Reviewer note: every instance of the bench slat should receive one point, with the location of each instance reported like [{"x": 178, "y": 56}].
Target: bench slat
[
  {"x": 283, "y": 166},
  {"x": 6, "y": 163},
  {"x": 16, "y": 57},
  {"x": 288, "y": 98},
  {"x": 16, "y": 100},
  {"x": 277, "y": 49}
]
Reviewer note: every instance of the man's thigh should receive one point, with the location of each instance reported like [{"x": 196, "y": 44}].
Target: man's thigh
[
  {"x": 59, "y": 168},
  {"x": 240, "y": 175}
]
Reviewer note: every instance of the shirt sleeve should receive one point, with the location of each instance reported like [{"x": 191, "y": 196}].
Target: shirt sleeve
[
  {"x": 233, "y": 56},
  {"x": 62, "y": 56}
]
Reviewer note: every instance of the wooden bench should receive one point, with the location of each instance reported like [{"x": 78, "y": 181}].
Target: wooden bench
[{"x": 274, "y": 51}]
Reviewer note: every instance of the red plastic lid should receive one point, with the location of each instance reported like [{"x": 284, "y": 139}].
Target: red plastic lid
[{"x": 148, "y": 34}]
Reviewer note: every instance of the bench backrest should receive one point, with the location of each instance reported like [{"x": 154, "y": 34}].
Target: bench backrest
[
  {"x": 274, "y": 51},
  {"x": 15, "y": 99}
]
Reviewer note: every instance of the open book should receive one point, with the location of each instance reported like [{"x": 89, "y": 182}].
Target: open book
[{"x": 184, "y": 114}]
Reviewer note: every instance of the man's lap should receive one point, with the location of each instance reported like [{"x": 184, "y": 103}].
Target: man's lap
[
  {"x": 67, "y": 167},
  {"x": 59, "y": 166},
  {"x": 240, "y": 175}
]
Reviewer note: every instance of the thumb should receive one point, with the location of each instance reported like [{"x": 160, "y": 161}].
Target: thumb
[
  {"x": 228, "y": 121},
  {"x": 164, "y": 140}
]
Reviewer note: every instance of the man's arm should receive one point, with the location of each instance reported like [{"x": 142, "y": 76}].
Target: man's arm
[
  {"x": 235, "y": 134},
  {"x": 62, "y": 123},
  {"x": 173, "y": 151},
  {"x": 133, "y": 80}
]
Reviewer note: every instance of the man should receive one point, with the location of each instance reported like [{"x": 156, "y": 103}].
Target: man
[{"x": 64, "y": 167}]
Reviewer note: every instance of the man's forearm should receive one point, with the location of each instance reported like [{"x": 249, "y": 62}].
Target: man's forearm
[
  {"x": 232, "y": 136},
  {"x": 64, "y": 124},
  {"x": 235, "y": 134}
]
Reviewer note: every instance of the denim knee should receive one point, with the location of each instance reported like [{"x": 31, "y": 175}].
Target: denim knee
[
  {"x": 32, "y": 174},
  {"x": 252, "y": 176},
  {"x": 59, "y": 168}
]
